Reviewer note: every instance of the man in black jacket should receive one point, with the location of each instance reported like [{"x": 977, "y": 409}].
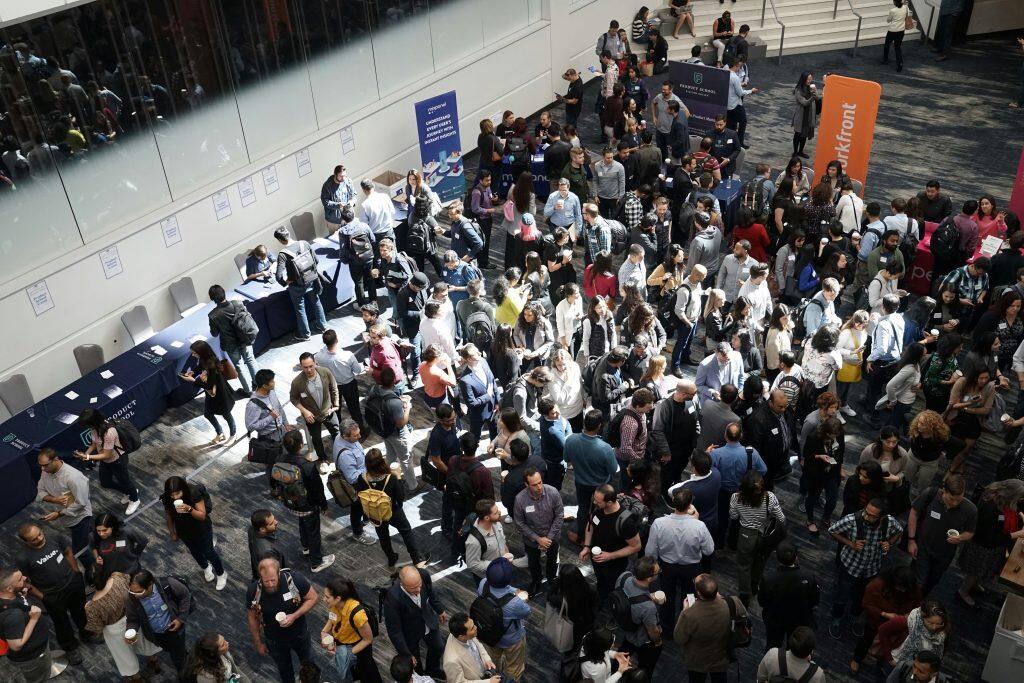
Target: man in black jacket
[
  {"x": 262, "y": 538},
  {"x": 609, "y": 385},
  {"x": 556, "y": 156},
  {"x": 675, "y": 431},
  {"x": 935, "y": 206},
  {"x": 414, "y": 615},
  {"x": 224, "y": 324},
  {"x": 788, "y": 597},
  {"x": 725, "y": 146},
  {"x": 410, "y": 302},
  {"x": 770, "y": 431},
  {"x": 171, "y": 602},
  {"x": 304, "y": 498}
]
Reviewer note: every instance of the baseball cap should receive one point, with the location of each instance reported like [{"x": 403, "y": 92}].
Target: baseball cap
[{"x": 419, "y": 279}]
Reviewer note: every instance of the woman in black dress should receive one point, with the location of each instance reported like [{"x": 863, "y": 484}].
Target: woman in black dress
[
  {"x": 219, "y": 397},
  {"x": 116, "y": 548},
  {"x": 573, "y": 590},
  {"x": 187, "y": 509},
  {"x": 506, "y": 362}
]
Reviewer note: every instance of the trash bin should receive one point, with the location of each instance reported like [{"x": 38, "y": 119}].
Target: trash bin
[{"x": 1006, "y": 653}]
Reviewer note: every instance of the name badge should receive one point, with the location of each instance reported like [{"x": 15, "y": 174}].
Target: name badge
[
  {"x": 60, "y": 558},
  {"x": 1002, "y": 326},
  {"x": 814, "y": 273},
  {"x": 792, "y": 258},
  {"x": 596, "y": 521},
  {"x": 745, "y": 270},
  {"x": 775, "y": 431},
  {"x": 286, "y": 596},
  {"x": 163, "y": 608},
  {"x": 304, "y": 395},
  {"x": 1002, "y": 518},
  {"x": 332, "y": 616},
  {"x": 120, "y": 544},
  {"x": 937, "y": 316},
  {"x": 529, "y": 508},
  {"x": 883, "y": 259},
  {"x": 690, "y": 410},
  {"x": 568, "y": 213},
  {"x": 749, "y": 411},
  {"x": 935, "y": 514}
]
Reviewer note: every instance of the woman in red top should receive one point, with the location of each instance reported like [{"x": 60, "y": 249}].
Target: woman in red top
[
  {"x": 747, "y": 229},
  {"x": 991, "y": 221},
  {"x": 893, "y": 593},
  {"x": 437, "y": 375},
  {"x": 599, "y": 278}
]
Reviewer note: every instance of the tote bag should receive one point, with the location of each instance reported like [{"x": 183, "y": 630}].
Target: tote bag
[
  {"x": 850, "y": 373},
  {"x": 557, "y": 628}
]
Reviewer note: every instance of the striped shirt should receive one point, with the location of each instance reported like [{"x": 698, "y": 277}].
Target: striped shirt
[{"x": 756, "y": 517}]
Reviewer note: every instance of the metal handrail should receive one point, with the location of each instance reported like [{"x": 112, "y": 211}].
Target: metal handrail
[
  {"x": 860, "y": 19},
  {"x": 782, "y": 36}
]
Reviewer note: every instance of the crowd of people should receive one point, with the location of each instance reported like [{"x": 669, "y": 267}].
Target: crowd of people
[{"x": 682, "y": 369}]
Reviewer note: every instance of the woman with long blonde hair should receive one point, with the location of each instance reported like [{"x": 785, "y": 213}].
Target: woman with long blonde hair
[
  {"x": 852, "y": 337},
  {"x": 714, "y": 321},
  {"x": 656, "y": 380}
]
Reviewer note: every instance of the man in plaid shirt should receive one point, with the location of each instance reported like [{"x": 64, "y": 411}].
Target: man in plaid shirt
[
  {"x": 866, "y": 538},
  {"x": 971, "y": 283},
  {"x": 633, "y": 207},
  {"x": 596, "y": 233},
  {"x": 633, "y": 432}
]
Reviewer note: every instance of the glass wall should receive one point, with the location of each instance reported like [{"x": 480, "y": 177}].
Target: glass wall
[{"x": 113, "y": 109}]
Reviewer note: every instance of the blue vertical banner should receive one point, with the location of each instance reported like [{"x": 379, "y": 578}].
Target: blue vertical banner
[
  {"x": 703, "y": 89},
  {"x": 437, "y": 122}
]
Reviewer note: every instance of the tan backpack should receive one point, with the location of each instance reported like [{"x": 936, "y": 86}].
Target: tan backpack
[{"x": 376, "y": 504}]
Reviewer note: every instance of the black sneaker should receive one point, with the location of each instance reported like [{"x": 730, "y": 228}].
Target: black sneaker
[
  {"x": 858, "y": 628},
  {"x": 835, "y": 629}
]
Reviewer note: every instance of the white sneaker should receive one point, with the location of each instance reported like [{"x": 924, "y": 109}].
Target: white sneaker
[
  {"x": 324, "y": 467},
  {"x": 222, "y": 581},
  {"x": 848, "y": 411},
  {"x": 364, "y": 538},
  {"x": 133, "y": 505},
  {"x": 327, "y": 562},
  {"x": 842, "y": 420},
  {"x": 208, "y": 573}
]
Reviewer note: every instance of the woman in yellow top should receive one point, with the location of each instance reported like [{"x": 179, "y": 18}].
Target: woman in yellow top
[
  {"x": 347, "y": 634},
  {"x": 509, "y": 297}
]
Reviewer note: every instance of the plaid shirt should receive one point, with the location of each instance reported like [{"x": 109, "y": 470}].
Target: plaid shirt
[
  {"x": 634, "y": 210},
  {"x": 867, "y": 562},
  {"x": 968, "y": 287}
]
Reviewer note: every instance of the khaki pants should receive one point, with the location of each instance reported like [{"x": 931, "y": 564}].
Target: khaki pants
[
  {"x": 920, "y": 474},
  {"x": 510, "y": 661}
]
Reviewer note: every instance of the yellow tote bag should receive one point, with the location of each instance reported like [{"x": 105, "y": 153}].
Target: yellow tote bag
[{"x": 850, "y": 372}]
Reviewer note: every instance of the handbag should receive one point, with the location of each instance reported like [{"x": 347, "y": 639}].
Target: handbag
[
  {"x": 509, "y": 211},
  {"x": 263, "y": 451},
  {"x": 228, "y": 369},
  {"x": 647, "y": 69},
  {"x": 908, "y": 22},
  {"x": 774, "y": 532},
  {"x": 557, "y": 628},
  {"x": 342, "y": 491}
]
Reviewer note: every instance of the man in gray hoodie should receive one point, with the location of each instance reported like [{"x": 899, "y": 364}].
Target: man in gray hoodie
[{"x": 706, "y": 247}]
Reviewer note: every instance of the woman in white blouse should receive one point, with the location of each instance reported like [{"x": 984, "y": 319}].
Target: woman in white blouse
[
  {"x": 897, "y": 20},
  {"x": 901, "y": 390},
  {"x": 821, "y": 359},
  {"x": 596, "y": 658},
  {"x": 566, "y": 389},
  {"x": 568, "y": 315},
  {"x": 778, "y": 340},
  {"x": 851, "y": 348}
]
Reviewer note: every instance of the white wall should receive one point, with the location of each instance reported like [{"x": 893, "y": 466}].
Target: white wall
[
  {"x": 520, "y": 73},
  {"x": 996, "y": 15}
]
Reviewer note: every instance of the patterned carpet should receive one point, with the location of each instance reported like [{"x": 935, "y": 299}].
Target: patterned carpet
[{"x": 936, "y": 120}]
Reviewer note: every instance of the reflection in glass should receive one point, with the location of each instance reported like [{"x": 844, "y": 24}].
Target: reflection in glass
[
  {"x": 401, "y": 43},
  {"x": 456, "y": 30}
]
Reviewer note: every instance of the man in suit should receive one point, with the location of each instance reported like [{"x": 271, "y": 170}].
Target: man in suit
[
  {"x": 413, "y": 614},
  {"x": 769, "y": 430},
  {"x": 314, "y": 392},
  {"x": 476, "y": 386},
  {"x": 725, "y": 366},
  {"x": 788, "y": 597},
  {"x": 716, "y": 416},
  {"x": 465, "y": 658}
]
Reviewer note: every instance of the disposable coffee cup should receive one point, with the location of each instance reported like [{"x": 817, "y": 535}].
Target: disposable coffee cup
[
  {"x": 952, "y": 533},
  {"x": 595, "y": 551},
  {"x": 824, "y": 240},
  {"x": 327, "y": 640},
  {"x": 130, "y": 634},
  {"x": 179, "y": 503},
  {"x": 280, "y": 616},
  {"x": 1006, "y": 417},
  {"x": 934, "y": 333},
  {"x": 659, "y": 597}
]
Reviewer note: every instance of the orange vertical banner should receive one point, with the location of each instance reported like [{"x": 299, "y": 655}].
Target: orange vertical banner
[{"x": 846, "y": 127}]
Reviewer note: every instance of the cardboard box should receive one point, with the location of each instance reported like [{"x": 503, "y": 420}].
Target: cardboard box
[{"x": 391, "y": 183}]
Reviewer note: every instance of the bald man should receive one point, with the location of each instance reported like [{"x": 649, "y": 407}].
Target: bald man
[
  {"x": 414, "y": 615},
  {"x": 675, "y": 432},
  {"x": 279, "y": 590},
  {"x": 769, "y": 429}
]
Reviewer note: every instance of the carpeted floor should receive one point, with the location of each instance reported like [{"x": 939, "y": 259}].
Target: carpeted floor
[{"x": 947, "y": 120}]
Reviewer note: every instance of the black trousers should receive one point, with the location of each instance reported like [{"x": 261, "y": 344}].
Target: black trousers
[
  {"x": 584, "y": 498},
  {"x": 175, "y": 645},
  {"x": 676, "y": 581},
  {"x": 309, "y": 536},
  {"x": 550, "y": 566},
  {"x": 483, "y": 257},
  {"x": 355, "y": 518},
  {"x": 435, "y": 649},
  {"x": 736, "y": 119},
  {"x": 606, "y": 573},
  {"x": 365, "y": 285},
  {"x": 350, "y": 394},
  {"x": 64, "y": 607},
  {"x": 896, "y": 40},
  {"x": 316, "y": 435},
  {"x": 647, "y": 654},
  {"x": 401, "y": 523},
  {"x": 433, "y": 258}
]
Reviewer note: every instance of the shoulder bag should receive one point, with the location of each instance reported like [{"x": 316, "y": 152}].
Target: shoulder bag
[{"x": 557, "y": 627}]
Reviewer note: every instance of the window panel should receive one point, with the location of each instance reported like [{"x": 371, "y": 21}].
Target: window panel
[
  {"x": 401, "y": 43},
  {"x": 504, "y": 17},
  {"x": 456, "y": 30}
]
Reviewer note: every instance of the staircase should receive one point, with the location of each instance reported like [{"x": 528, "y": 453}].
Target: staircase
[{"x": 809, "y": 25}]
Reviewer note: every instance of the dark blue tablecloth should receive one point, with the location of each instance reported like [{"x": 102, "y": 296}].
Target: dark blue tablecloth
[
  {"x": 729, "y": 200},
  {"x": 541, "y": 186}
]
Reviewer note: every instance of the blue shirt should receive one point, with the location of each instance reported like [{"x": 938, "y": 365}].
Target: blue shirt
[
  {"x": 592, "y": 459},
  {"x": 731, "y": 461},
  {"x": 571, "y": 213},
  {"x": 349, "y": 458},
  {"x": 443, "y": 443},
  {"x": 515, "y": 612},
  {"x": 869, "y": 240},
  {"x": 552, "y": 439},
  {"x": 736, "y": 90},
  {"x": 254, "y": 265},
  {"x": 156, "y": 612}
]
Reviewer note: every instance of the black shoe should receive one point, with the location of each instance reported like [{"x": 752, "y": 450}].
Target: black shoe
[
  {"x": 884, "y": 61},
  {"x": 534, "y": 589},
  {"x": 242, "y": 393},
  {"x": 858, "y": 628},
  {"x": 74, "y": 657},
  {"x": 803, "y": 155},
  {"x": 677, "y": 371},
  {"x": 899, "y": 68},
  {"x": 423, "y": 560}
]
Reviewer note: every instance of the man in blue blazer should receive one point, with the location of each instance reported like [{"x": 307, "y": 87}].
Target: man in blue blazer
[
  {"x": 476, "y": 386},
  {"x": 414, "y": 615},
  {"x": 723, "y": 367}
]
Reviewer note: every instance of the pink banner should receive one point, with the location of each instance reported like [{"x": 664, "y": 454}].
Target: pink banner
[{"x": 1017, "y": 194}]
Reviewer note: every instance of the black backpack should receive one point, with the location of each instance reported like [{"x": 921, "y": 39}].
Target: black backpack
[
  {"x": 127, "y": 435},
  {"x": 243, "y": 324},
  {"x": 377, "y": 416},
  {"x": 419, "y": 241},
  {"x": 620, "y": 236},
  {"x": 622, "y": 604},
  {"x": 613, "y": 433},
  {"x": 799, "y": 328},
  {"x": 518, "y": 152},
  {"x": 729, "y": 53},
  {"x": 301, "y": 267},
  {"x": 945, "y": 245},
  {"x": 487, "y": 611},
  {"x": 1010, "y": 464},
  {"x": 467, "y": 529},
  {"x": 360, "y": 247},
  {"x": 755, "y": 198},
  {"x": 589, "y": 372},
  {"x": 908, "y": 245},
  {"x": 480, "y": 329},
  {"x": 740, "y": 631},
  {"x": 783, "y": 675},
  {"x": 459, "y": 487}
]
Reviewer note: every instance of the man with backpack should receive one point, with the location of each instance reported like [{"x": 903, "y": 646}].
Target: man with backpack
[
  {"x": 614, "y": 532},
  {"x": 295, "y": 481},
  {"x": 314, "y": 391},
  {"x": 233, "y": 324},
  {"x": 421, "y": 238},
  {"x": 627, "y": 432},
  {"x": 395, "y": 268},
  {"x": 414, "y": 616},
  {"x": 593, "y": 463},
  {"x": 792, "y": 664},
  {"x": 357, "y": 249},
  {"x": 500, "y": 613},
  {"x": 788, "y": 597},
  {"x": 481, "y": 538},
  {"x": 709, "y": 630},
  {"x": 608, "y": 386},
  {"x": 158, "y": 610},
  {"x": 636, "y": 613},
  {"x": 264, "y": 414},
  {"x": 865, "y": 537},
  {"x": 278, "y": 602},
  {"x": 387, "y": 413},
  {"x": 26, "y": 630},
  {"x": 298, "y": 270},
  {"x": 467, "y": 235}
]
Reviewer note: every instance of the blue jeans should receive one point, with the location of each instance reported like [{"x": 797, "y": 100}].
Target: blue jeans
[
  {"x": 80, "y": 536},
  {"x": 212, "y": 417},
  {"x": 684, "y": 338},
  {"x": 302, "y": 296},
  {"x": 849, "y": 590},
  {"x": 244, "y": 356},
  {"x": 944, "y": 32}
]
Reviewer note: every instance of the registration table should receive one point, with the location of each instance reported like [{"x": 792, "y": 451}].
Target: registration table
[{"x": 728, "y": 195}]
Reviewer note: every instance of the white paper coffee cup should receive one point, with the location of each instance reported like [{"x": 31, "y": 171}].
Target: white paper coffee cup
[
  {"x": 952, "y": 533},
  {"x": 1006, "y": 417},
  {"x": 179, "y": 503},
  {"x": 280, "y": 616},
  {"x": 130, "y": 634},
  {"x": 327, "y": 640},
  {"x": 659, "y": 597},
  {"x": 934, "y": 333},
  {"x": 595, "y": 551}
]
